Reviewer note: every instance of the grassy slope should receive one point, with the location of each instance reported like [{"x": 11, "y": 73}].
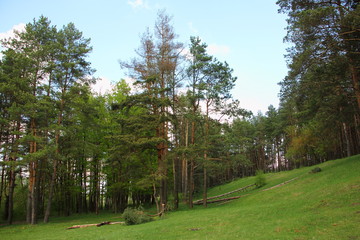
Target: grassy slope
[{"x": 324, "y": 205}]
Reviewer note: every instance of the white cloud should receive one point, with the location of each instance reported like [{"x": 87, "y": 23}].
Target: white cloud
[
  {"x": 131, "y": 82},
  {"x": 102, "y": 86},
  {"x": 138, "y": 4},
  {"x": 186, "y": 53},
  {"x": 10, "y": 34},
  {"x": 214, "y": 49},
  {"x": 192, "y": 28}
]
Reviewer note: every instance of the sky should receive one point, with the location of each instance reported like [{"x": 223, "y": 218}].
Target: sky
[{"x": 246, "y": 34}]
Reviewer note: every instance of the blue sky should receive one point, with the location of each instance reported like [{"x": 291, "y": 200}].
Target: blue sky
[{"x": 247, "y": 34}]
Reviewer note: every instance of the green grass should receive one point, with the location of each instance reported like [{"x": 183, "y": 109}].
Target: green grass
[{"x": 324, "y": 205}]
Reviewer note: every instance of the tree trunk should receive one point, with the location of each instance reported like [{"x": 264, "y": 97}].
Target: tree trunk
[
  {"x": 191, "y": 182},
  {"x": 32, "y": 177},
  {"x": 205, "y": 187},
  {"x": 51, "y": 192},
  {"x": 192, "y": 167},
  {"x": 279, "y": 163},
  {"x": 97, "y": 191},
  {"x": 347, "y": 140},
  {"x": 29, "y": 198},
  {"x": 357, "y": 132},
  {"x": 205, "y": 154},
  {"x": 185, "y": 163},
  {"x": 57, "y": 152},
  {"x": 11, "y": 196},
  {"x": 355, "y": 81},
  {"x": 176, "y": 181},
  {"x": 85, "y": 203},
  {"x": 2, "y": 184},
  {"x": 162, "y": 166},
  {"x": 34, "y": 195},
  {"x": 156, "y": 198},
  {"x": 12, "y": 174}
]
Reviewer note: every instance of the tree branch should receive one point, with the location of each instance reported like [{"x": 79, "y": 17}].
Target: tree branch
[{"x": 95, "y": 224}]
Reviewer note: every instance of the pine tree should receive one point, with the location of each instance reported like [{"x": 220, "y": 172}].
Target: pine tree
[
  {"x": 155, "y": 70},
  {"x": 322, "y": 86},
  {"x": 71, "y": 68}
]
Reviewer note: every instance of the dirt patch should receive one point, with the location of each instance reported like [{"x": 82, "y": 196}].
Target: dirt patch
[{"x": 194, "y": 229}]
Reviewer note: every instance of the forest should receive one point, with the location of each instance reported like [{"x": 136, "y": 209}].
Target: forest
[{"x": 177, "y": 130}]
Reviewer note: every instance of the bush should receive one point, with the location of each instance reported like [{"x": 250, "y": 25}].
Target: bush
[
  {"x": 260, "y": 179},
  {"x": 134, "y": 216},
  {"x": 316, "y": 170}
]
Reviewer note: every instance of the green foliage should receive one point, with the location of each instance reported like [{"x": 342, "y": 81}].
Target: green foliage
[
  {"x": 260, "y": 179},
  {"x": 20, "y": 196},
  {"x": 315, "y": 170},
  {"x": 316, "y": 103},
  {"x": 133, "y": 216},
  {"x": 20, "y": 203},
  {"x": 108, "y": 148}
]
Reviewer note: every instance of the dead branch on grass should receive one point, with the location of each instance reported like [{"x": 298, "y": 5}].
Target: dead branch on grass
[
  {"x": 95, "y": 224},
  {"x": 280, "y": 184},
  {"x": 199, "y": 202}
]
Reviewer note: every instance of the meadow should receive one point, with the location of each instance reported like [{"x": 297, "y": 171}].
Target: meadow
[{"x": 323, "y": 205}]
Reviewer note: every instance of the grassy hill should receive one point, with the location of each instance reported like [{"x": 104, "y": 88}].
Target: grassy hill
[{"x": 324, "y": 205}]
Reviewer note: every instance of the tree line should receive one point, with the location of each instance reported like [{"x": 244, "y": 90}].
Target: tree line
[{"x": 177, "y": 131}]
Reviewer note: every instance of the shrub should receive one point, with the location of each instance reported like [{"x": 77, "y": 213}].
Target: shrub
[
  {"x": 260, "y": 179},
  {"x": 316, "y": 170},
  {"x": 134, "y": 216}
]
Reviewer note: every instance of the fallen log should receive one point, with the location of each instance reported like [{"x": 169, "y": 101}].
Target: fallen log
[
  {"x": 283, "y": 183},
  {"x": 223, "y": 199},
  {"x": 156, "y": 215},
  {"x": 200, "y": 201},
  {"x": 94, "y": 224},
  {"x": 225, "y": 202},
  {"x": 82, "y": 226}
]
